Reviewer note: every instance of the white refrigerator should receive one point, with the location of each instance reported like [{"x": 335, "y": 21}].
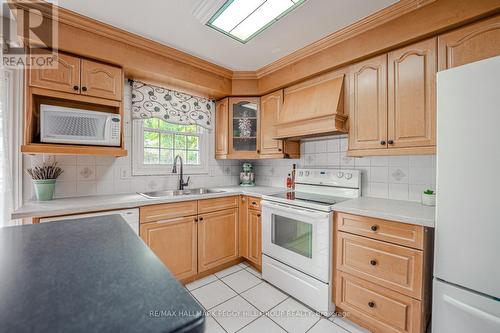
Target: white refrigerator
[{"x": 467, "y": 245}]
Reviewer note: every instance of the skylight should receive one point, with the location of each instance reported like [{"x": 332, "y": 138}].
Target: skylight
[{"x": 245, "y": 19}]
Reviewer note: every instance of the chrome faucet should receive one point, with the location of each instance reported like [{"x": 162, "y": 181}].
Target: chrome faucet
[{"x": 182, "y": 184}]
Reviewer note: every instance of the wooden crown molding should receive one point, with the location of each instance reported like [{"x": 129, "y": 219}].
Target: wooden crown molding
[
  {"x": 100, "y": 28},
  {"x": 367, "y": 23}
]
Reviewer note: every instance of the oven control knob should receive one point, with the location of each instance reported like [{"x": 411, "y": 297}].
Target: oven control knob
[
  {"x": 307, "y": 173},
  {"x": 340, "y": 174},
  {"x": 348, "y": 175}
]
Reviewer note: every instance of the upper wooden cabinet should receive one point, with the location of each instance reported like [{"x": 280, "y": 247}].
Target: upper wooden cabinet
[
  {"x": 245, "y": 129},
  {"x": 174, "y": 242},
  {"x": 368, "y": 104},
  {"x": 412, "y": 95},
  {"x": 244, "y": 113},
  {"x": 80, "y": 76},
  {"x": 101, "y": 80},
  {"x": 270, "y": 109},
  {"x": 66, "y": 77},
  {"x": 222, "y": 128},
  {"x": 471, "y": 43},
  {"x": 217, "y": 238},
  {"x": 393, "y": 102}
]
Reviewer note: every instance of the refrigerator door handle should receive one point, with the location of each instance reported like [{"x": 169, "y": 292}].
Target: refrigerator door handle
[{"x": 471, "y": 310}]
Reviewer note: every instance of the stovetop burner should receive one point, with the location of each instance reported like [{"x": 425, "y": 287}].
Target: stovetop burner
[{"x": 309, "y": 197}]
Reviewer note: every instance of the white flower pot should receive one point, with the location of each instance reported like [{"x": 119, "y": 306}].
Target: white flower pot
[{"x": 428, "y": 199}]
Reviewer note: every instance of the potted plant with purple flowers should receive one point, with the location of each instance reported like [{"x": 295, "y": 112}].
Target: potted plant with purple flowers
[{"x": 44, "y": 178}]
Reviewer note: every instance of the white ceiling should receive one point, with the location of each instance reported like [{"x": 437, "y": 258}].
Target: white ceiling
[{"x": 180, "y": 24}]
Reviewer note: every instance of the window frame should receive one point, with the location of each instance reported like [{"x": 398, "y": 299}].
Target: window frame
[{"x": 139, "y": 168}]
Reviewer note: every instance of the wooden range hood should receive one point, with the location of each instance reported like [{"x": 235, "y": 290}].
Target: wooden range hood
[{"x": 313, "y": 108}]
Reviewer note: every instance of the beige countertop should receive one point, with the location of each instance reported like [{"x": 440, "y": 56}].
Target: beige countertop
[
  {"x": 77, "y": 205},
  {"x": 393, "y": 210}
]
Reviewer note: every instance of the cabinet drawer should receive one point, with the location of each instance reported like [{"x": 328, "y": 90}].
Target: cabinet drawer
[
  {"x": 212, "y": 205},
  {"x": 254, "y": 203},
  {"x": 168, "y": 211},
  {"x": 392, "y": 266},
  {"x": 389, "y": 231},
  {"x": 375, "y": 307}
]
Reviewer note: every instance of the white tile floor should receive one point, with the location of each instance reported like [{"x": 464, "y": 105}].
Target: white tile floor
[{"x": 238, "y": 300}]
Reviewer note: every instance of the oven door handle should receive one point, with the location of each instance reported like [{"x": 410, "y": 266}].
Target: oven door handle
[{"x": 294, "y": 209}]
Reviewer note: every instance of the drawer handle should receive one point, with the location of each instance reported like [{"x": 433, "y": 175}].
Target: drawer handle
[
  {"x": 371, "y": 304},
  {"x": 373, "y": 262},
  {"x": 374, "y": 227}
]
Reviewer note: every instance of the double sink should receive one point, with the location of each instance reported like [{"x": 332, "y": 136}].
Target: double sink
[{"x": 175, "y": 193}]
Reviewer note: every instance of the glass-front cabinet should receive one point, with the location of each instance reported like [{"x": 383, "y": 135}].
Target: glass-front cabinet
[
  {"x": 244, "y": 129},
  {"x": 244, "y": 126}
]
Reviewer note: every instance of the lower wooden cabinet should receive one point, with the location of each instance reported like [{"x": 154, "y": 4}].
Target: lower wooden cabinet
[
  {"x": 251, "y": 230},
  {"x": 174, "y": 242},
  {"x": 383, "y": 273},
  {"x": 254, "y": 237},
  {"x": 380, "y": 309},
  {"x": 217, "y": 238},
  {"x": 188, "y": 239}
]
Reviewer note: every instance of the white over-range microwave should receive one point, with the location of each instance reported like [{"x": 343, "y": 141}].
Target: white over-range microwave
[{"x": 79, "y": 126}]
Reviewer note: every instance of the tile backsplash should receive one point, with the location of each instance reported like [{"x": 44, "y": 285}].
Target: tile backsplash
[{"x": 391, "y": 177}]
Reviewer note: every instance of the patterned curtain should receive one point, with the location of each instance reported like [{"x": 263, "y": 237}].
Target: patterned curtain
[{"x": 150, "y": 101}]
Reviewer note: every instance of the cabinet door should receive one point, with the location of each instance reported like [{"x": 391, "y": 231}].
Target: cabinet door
[
  {"x": 243, "y": 226},
  {"x": 101, "y": 80},
  {"x": 254, "y": 237},
  {"x": 471, "y": 43},
  {"x": 271, "y": 105},
  {"x": 221, "y": 128},
  {"x": 244, "y": 127},
  {"x": 368, "y": 104},
  {"x": 66, "y": 77},
  {"x": 217, "y": 238},
  {"x": 174, "y": 243},
  {"x": 412, "y": 95}
]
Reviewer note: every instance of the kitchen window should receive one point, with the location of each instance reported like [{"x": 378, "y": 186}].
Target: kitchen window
[{"x": 157, "y": 142}]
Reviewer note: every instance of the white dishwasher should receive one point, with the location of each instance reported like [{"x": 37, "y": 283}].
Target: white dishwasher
[{"x": 131, "y": 216}]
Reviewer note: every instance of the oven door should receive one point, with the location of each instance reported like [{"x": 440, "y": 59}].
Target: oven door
[{"x": 298, "y": 237}]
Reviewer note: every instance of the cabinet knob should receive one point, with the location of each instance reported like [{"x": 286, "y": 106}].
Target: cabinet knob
[
  {"x": 373, "y": 262},
  {"x": 258, "y": 151},
  {"x": 258, "y": 215},
  {"x": 382, "y": 143},
  {"x": 371, "y": 304},
  {"x": 84, "y": 88},
  {"x": 75, "y": 88},
  {"x": 390, "y": 142},
  {"x": 374, "y": 227},
  {"x": 196, "y": 219},
  {"x": 201, "y": 218},
  {"x": 279, "y": 149},
  {"x": 254, "y": 203}
]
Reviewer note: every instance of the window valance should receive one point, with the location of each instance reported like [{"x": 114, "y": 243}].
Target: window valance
[{"x": 149, "y": 101}]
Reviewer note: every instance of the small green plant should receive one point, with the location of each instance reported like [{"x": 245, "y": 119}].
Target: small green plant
[{"x": 429, "y": 192}]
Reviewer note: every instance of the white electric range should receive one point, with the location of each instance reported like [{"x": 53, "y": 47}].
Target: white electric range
[{"x": 297, "y": 238}]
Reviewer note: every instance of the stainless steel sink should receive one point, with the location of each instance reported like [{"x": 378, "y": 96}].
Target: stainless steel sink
[{"x": 175, "y": 193}]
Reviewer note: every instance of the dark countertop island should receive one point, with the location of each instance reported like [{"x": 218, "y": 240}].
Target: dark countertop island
[{"x": 88, "y": 275}]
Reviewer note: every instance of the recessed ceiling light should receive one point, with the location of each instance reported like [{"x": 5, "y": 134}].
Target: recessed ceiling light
[{"x": 245, "y": 19}]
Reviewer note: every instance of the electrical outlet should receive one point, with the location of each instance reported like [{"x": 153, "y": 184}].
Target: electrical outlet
[
  {"x": 124, "y": 173},
  {"x": 211, "y": 171}
]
